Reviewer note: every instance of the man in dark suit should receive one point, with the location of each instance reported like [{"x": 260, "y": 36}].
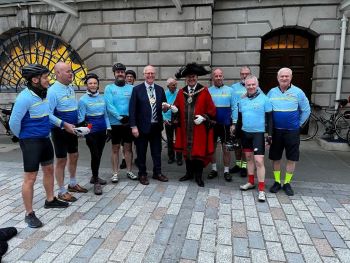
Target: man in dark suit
[{"x": 146, "y": 122}]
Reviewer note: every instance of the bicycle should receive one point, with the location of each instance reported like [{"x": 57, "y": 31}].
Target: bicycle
[
  {"x": 5, "y": 119},
  {"x": 338, "y": 123}
]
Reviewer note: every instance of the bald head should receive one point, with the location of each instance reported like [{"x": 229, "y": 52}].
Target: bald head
[
  {"x": 218, "y": 77},
  {"x": 63, "y": 72}
]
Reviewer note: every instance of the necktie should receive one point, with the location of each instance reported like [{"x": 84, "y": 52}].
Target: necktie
[{"x": 153, "y": 104}]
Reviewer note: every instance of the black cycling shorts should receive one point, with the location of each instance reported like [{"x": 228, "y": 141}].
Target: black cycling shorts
[
  {"x": 221, "y": 131},
  {"x": 121, "y": 134},
  {"x": 35, "y": 152},
  {"x": 253, "y": 142},
  {"x": 285, "y": 139},
  {"x": 64, "y": 142}
]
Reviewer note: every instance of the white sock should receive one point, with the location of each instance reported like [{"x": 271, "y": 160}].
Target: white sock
[
  {"x": 226, "y": 169},
  {"x": 213, "y": 167}
]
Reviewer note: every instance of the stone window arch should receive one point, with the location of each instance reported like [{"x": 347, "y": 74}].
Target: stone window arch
[{"x": 19, "y": 47}]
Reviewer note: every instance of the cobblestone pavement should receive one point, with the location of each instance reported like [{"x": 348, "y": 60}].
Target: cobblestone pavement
[{"x": 179, "y": 222}]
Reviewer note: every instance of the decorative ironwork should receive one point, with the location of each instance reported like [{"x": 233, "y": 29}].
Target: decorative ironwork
[
  {"x": 290, "y": 41},
  {"x": 19, "y": 47}
]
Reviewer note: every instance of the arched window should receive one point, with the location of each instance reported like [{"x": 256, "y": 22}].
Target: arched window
[
  {"x": 286, "y": 41},
  {"x": 19, "y": 47}
]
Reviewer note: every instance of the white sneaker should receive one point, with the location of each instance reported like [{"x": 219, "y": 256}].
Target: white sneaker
[
  {"x": 115, "y": 178},
  {"x": 132, "y": 176},
  {"x": 247, "y": 186},
  {"x": 261, "y": 196}
]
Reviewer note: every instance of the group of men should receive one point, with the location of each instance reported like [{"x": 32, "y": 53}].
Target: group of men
[{"x": 198, "y": 116}]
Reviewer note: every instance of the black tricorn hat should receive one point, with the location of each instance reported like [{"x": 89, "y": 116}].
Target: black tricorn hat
[{"x": 191, "y": 69}]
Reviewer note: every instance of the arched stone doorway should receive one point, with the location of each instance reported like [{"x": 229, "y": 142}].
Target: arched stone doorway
[
  {"x": 19, "y": 47},
  {"x": 287, "y": 47}
]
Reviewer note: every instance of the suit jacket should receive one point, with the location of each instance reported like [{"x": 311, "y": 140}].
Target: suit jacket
[{"x": 140, "y": 111}]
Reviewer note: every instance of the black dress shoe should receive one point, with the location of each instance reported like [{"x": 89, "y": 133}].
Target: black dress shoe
[
  {"x": 123, "y": 164},
  {"x": 199, "y": 180},
  {"x": 160, "y": 177},
  {"x": 143, "y": 179},
  {"x": 186, "y": 177},
  {"x": 3, "y": 248},
  {"x": 243, "y": 172},
  {"x": 179, "y": 162},
  {"x": 235, "y": 169},
  {"x": 7, "y": 233}
]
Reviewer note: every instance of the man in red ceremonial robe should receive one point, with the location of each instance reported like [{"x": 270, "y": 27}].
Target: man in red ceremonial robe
[{"x": 194, "y": 133}]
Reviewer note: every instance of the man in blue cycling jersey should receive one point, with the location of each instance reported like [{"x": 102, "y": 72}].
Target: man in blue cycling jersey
[
  {"x": 239, "y": 91},
  {"x": 224, "y": 101},
  {"x": 291, "y": 109},
  {"x": 30, "y": 123},
  {"x": 117, "y": 96}
]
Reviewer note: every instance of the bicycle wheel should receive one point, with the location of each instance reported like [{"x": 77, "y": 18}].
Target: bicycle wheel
[
  {"x": 348, "y": 137},
  {"x": 341, "y": 127},
  {"x": 309, "y": 128}
]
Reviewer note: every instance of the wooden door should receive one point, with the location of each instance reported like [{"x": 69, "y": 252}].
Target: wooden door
[{"x": 290, "y": 48}]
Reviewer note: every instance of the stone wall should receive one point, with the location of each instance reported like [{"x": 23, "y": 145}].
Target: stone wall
[
  {"x": 219, "y": 33},
  {"x": 239, "y": 25}
]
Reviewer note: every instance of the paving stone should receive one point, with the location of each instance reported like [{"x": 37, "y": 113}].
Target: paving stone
[
  {"x": 122, "y": 251},
  {"x": 316, "y": 211},
  {"x": 133, "y": 233},
  {"x": 154, "y": 254},
  {"x": 101, "y": 255},
  {"x": 256, "y": 240},
  {"x": 299, "y": 205},
  {"x": 324, "y": 224},
  {"x": 206, "y": 257},
  {"x": 344, "y": 232},
  {"x": 259, "y": 255},
  {"x": 209, "y": 226},
  {"x": 334, "y": 219},
  {"x": 275, "y": 251},
  {"x": 84, "y": 236},
  {"x": 270, "y": 233},
  {"x": 283, "y": 227},
  {"x": 46, "y": 257},
  {"x": 224, "y": 221},
  {"x": 325, "y": 207},
  {"x": 225, "y": 209},
  {"x": 224, "y": 236},
  {"x": 239, "y": 230},
  {"x": 277, "y": 213},
  {"x": 289, "y": 209},
  {"x": 36, "y": 251},
  {"x": 294, "y": 258},
  {"x": 265, "y": 219},
  {"x": 310, "y": 254},
  {"x": 323, "y": 247},
  {"x": 61, "y": 243},
  {"x": 314, "y": 230},
  {"x": 334, "y": 239},
  {"x": 190, "y": 249},
  {"x": 68, "y": 253},
  {"x": 242, "y": 260},
  {"x": 89, "y": 248},
  {"x": 343, "y": 254},
  {"x": 238, "y": 216},
  {"x": 289, "y": 243},
  {"x": 197, "y": 218},
  {"x": 240, "y": 247},
  {"x": 124, "y": 223},
  {"x": 253, "y": 224},
  {"x": 208, "y": 242},
  {"x": 330, "y": 260},
  {"x": 194, "y": 232},
  {"x": 223, "y": 254},
  {"x": 295, "y": 221}
]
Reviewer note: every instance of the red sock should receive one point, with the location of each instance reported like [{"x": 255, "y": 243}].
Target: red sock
[
  {"x": 251, "y": 178},
  {"x": 261, "y": 186}
]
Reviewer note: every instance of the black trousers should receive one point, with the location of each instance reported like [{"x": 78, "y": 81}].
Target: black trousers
[
  {"x": 170, "y": 131},
  {"x": 96, "y": 143},
  {"x": 154, "y": 140},
  {"x": 194, "y": 167}
]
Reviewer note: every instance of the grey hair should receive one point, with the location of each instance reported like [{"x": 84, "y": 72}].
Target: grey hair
[
  {"x": 285, "y": 69},
  {"x": 252, "y": 77},
  {"x": 169, "y": 81}
]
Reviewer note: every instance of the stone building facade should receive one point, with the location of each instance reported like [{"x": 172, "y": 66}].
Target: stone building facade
[{"x": 216, "y": 33}]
